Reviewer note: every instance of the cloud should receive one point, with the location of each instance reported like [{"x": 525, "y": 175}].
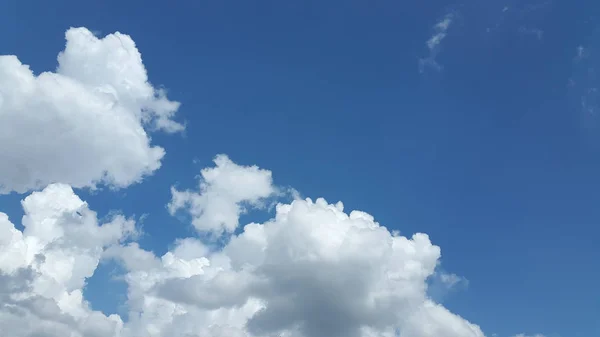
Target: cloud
[
  {"x": 581, "y": 53},
  {"x": 538, "y": 33},
  {"x": 440, "y": 30},
  {"x": 223, "y": 192},
  {"x": 441, "y": 284},
  {"x": 584, "y": 84},
  {"x": 84, "y": 124},
  {"x": 44, "y": 267},
  {"x": 524, "y": 335},
  {"x": 311, "y": 270},
  {"x": 453, "y": 280}
]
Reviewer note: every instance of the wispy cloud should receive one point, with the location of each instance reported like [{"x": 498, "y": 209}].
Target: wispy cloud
[
  {"x": 582, "y": 52},
  {"x": 453, "y": 280},
  {"x": 584, "y": 83},
  {"x": 441, "y": 284},
  {"x": 521, "y": 18},
  {"x": 440, "y": 30},
  {"x": 536, "y": 6},
  {"x": 538, "y": 33}
]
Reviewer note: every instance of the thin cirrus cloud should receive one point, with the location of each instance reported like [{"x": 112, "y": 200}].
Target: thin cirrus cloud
[
  {"x": 584, "y": 82},
  {"x": 522, "y": 18},
  {"x": 440, "y": 30},
  {"x": 313, "y": 269}
]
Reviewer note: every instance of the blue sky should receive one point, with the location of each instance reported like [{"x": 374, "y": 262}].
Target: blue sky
[{"x": 495, "y": 153}]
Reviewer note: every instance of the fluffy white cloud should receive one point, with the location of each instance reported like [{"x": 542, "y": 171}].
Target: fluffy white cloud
[
  {"x": 84, "y": 123},
  {"x": 224, "y": 190},
  {"x": 312, "y": 270},
  {"x": 44, "y": 267}
]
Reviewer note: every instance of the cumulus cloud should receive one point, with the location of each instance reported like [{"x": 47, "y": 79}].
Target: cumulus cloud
[
  {"x": 223, "y": 192},
  {"x": 84, "y": 124},
  {"x": 311, "y": 270},
  {"x": 44, "y": 267}
]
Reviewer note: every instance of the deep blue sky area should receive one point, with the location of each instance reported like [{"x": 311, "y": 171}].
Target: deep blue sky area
[{"x": 495, "y": 153}]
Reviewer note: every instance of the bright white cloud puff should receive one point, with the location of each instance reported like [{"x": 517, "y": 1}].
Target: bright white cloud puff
[
  {"x": 44, "y": 267},
  {"x": 224, "y": 190},
  {"x": 84, "y": 124}
]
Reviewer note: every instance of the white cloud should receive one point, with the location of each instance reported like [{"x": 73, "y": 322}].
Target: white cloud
[
  {"x": 85, "y": 123},
  {"x": 453, "y": 280},
  {"x": 441, "y": 284},
  {"x": 44, "y": 267},
  {"x": 224, "y": 190},
  {"x": 440, "y": 30},
  {"x": 311, "y": 270}
]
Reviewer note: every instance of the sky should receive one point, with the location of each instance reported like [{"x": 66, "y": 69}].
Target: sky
[{"x": 174, "y": 169}]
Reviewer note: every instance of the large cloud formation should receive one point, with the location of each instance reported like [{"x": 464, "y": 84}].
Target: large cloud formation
[
  {"x": 312, "y": 270},
  {"x": 84, "y": 123}
]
